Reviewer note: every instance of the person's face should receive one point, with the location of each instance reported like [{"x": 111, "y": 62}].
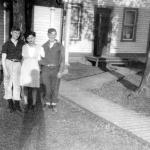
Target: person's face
[
  {"x": 31, "y": 39},
  {"x": 52, "y": 36},
  {"x": 15, "y": 34}
]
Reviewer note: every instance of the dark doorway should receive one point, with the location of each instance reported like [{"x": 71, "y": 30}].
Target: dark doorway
[{"x": 102, "y": 30}]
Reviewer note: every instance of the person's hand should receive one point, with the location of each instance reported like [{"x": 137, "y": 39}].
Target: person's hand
[
  {"x": 59, "y": 75},
  {"x": 65, "y": 72},
  {"x": 6, "y": 74}
]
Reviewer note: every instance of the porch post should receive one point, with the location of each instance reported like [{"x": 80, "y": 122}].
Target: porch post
[
  {"x": 52, "y": 16},
  {"x": 67, "y": 32},
  {"x": 4, "y": 25}
]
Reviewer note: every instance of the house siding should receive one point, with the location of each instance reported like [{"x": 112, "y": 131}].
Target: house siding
[
  {"x": 86, "y": 44},
  {"x": 140, "y": 45},
  {"x": 1, "y": 26},
  {"x": 116, "y": 45}
]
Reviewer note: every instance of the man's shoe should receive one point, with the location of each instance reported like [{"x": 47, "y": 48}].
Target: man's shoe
[
  {"x": 17, "y": 106},
  {"x": 26, "y": 108},
  {"x": 50, "y": 106},
  {"x": 33, "y": 108},
  {"x": 11, "y": 105},
  {"x": 54, "y": 108}
]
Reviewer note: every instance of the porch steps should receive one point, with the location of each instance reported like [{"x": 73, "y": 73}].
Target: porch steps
[{"x": 110, "y": 60}]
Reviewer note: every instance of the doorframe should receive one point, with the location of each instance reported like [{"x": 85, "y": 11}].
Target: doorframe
[{"x": 95, "y": 27}]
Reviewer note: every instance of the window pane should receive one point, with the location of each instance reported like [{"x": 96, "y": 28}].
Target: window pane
[
  {"x": 130, "y": 17},
  {"x": 128, "y": 33},
  {"x": 74, "y": 30},
  {"x": 75, "y": 14}
]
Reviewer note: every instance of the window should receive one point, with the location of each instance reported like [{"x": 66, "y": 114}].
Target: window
[
  {"x": 129, "y": 24},
  {"x": 75, "y": 22}
]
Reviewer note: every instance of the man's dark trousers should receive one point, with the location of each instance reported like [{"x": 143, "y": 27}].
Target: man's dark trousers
[{"x": 51, "y": 83}]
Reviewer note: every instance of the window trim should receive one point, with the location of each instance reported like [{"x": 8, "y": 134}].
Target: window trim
[
  {"x": 125, "y": 25},
  {"x": 78, "y": 22}
]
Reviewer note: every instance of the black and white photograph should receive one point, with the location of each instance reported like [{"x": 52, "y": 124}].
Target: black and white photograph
[{"x": 74, "y": 74}]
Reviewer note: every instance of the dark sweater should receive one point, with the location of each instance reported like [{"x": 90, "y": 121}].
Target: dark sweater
[{"x": 54, "y": 55}]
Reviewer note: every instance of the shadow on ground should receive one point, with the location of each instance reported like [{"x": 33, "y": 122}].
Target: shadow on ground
[
  {"x": 121, "y": 78},
  {"x": 33, "y": 129}
]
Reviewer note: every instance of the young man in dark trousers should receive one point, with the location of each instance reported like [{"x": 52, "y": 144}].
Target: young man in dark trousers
[
  {"x": 53, "y": 66},
  {"x": 11, "y": 63}
]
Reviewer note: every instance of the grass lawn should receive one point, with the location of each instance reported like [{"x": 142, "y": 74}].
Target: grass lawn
[
  {"x": 118, "y": 91},
  {"x": 71, "y": 128}
]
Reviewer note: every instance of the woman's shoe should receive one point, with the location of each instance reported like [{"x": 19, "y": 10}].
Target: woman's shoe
[
  {"x": 33, "y": 108},
  {"x": 17, "y": 106}
]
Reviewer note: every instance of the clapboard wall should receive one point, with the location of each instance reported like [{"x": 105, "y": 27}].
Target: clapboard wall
[
  {"x": 85, "y": 44},
  {"x": 1, "y": 26}
]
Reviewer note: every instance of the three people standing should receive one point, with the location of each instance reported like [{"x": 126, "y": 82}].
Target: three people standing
[{"x": 50, "y": 58}]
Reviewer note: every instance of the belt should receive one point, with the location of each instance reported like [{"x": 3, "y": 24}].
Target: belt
[
  {"x": 14, "y": 60},
  {"x": 51, "y": 65}
]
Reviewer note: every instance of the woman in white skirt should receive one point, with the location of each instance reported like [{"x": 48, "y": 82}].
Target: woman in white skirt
[{"x": 30, "y": 69}]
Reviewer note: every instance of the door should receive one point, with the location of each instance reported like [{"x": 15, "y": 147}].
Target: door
[
  {"x": 102, "y": 30},
  {"x": 45, "y": 18}
]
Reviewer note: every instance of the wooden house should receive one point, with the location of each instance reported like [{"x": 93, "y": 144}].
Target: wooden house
[
  {"x": 99, "y": 28},
  {"x": 91, "y": 28}
]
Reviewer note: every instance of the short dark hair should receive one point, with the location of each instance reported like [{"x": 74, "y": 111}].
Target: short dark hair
[
  {"x": 28, "y": 33},
  {"x": 50, "y": 30},
  {"x": 15, "y": 28}
]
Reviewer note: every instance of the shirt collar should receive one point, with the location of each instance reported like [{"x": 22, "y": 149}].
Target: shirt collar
[
  {"x": 14, "y": 41},
  {"x": 51, "y": 44}
]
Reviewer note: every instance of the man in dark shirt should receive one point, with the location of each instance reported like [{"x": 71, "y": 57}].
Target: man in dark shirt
[
  {"x": 11, "y": 63},
  {"x": 53, "y": 66}
]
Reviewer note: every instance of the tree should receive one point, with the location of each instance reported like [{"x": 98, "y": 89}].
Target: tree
[
  {"x": 19, "y": 14},
  {"x": 144, "y": 85}
]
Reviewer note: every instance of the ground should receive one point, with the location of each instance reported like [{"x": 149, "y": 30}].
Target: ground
[
  {"x": 118, "y": 91},
  {"x": 71, "y": 128}
]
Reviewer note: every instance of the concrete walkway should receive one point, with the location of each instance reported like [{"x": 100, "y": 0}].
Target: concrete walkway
[{"x": 128, "y": 120}]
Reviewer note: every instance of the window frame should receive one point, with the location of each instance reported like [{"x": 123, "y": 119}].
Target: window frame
[
  {"x": 77, "y": 22},
  {"x": 134, "y": 26}
]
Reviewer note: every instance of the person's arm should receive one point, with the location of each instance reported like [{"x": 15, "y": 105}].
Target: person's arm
[
  {"x": 62, "y": 69},
  {"x": 4, "y": 64},
  {"x": 41, "y": 59},
  {"x": 4, "y": 55},
  {"x": 41, "y": 54}
]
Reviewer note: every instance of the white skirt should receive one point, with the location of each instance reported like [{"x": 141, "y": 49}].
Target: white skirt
[{"x": 30, "y": 73}]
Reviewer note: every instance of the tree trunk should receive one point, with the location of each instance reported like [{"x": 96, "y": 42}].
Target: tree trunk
[
  {"x": 146, "y": 74},
  {"x": 28, "y": 14},
  {"x": 19, "y": 14},
  {"x": 144, "y": 85}
]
